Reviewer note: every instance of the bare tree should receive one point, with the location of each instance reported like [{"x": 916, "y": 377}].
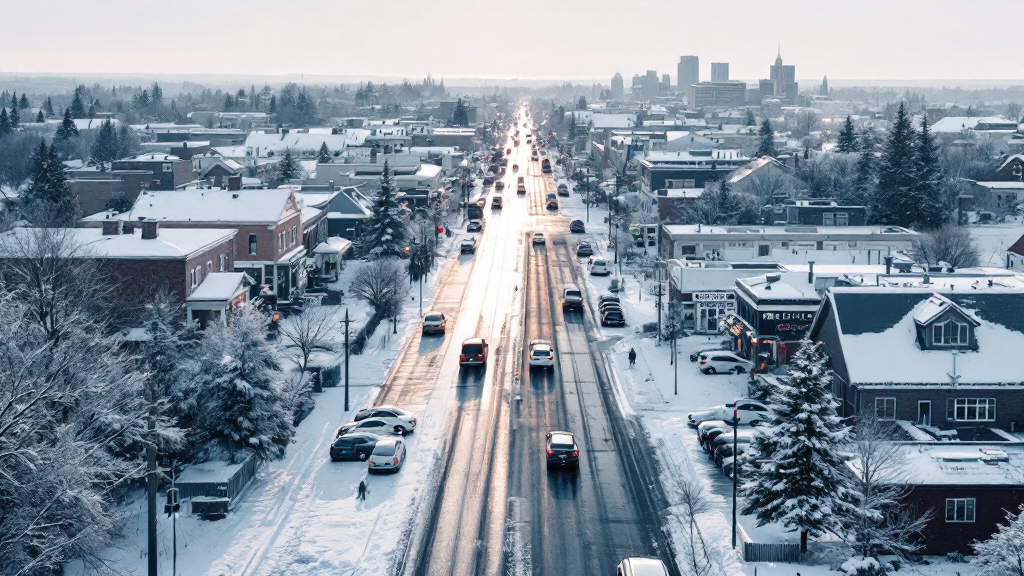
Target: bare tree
[
  {"x": 950, "y": 244},
  {"x": 768, "y": 182},
  {"x": 381, "y": 284},
  {"x": 701, "y": 558},
  {"x": 879, "y": 520},
  {"x": 307, "y": 332}
]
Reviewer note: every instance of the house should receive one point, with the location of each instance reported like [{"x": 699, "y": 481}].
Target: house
[
  {"x": 937, "y": 349},
  {"x": 219, "y": 171},
  {"x": 169, "y": 171},
  {"x": 1015, "y": 255},
  {"x": 268, "y": 246},
  {"x": 142, "y": 258},
  {"x": 685, "y": 168},
  {"x": 345, "y": 209},
  {"x": 218, "y": 294},
  {"x": 968, "y": 488},
  {"x": 1002, "y": 192},
  {"x": 817, "y": 212},
  {"x": 767, "y": 178}
]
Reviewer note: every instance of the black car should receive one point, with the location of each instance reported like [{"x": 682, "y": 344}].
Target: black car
[
  {"x": 607, "y": 298},
  {"x": 475, "y": 226},
  {"x": 552, "y": 205},
  {"x": 562, "y": 451},
  {"x": 584, "y": 249},
  {"x": 612, "y": 317},
  {"x": 357, "y": 446},
  {"x": 577, "y": 227},
  {"x": 609, "y": 306}
]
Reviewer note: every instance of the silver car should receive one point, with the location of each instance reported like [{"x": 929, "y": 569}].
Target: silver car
[{"x": 388, "y": 456}]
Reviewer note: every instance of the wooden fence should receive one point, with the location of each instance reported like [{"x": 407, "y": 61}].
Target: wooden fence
[
  {"x": 773, "y": 552},
  {"x": 230, "y": 489}
]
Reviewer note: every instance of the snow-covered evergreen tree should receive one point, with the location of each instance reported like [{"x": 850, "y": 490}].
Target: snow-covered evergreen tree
[
  {"x": 49, "y": 190},
  {"x": 67, "y": 128},
  {"x": 77, "y": 105},
  {"x": 243, "y": 412},
  {"x": 15, "y": 115},
  {"x": 287, "y": 168},
  {"x": 385, "y": 234},
  {"x": 460, "y": 114},
  {"x": 895, "y": 201},
  {"x": 106, "y": 148},
  {"x": 23, "y": 103},
  {"x": 847, "y": 141},
  {"x": 766, "y": 136},
  {"x": 48, "y": 106},
  {"x": 324, "y": 155},
  {"x": 931, "y": 209},
  {"x": 798, "y": 478},
  {"x": 1003, "y": 553},
  {"x": 5, "y": 122},
  {"x": 40, "y": 118}
]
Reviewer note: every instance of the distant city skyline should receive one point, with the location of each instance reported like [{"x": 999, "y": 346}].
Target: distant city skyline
[{"x": 872, "y": 40}]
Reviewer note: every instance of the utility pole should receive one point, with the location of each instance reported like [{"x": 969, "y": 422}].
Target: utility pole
[
  {"x": 675, "y": 366},
  {"x": 346, "y": 359},
  {"x": 658, "y": 305},
  {"x": 151, "y": 483},
  {"x": 588, "y": 195},
  {"x": 735, "y": 470}
]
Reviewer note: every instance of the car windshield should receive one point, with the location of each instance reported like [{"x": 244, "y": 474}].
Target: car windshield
[
  {"x": 385, "y": 449},
  {"x": 472, "y": 349},
  {"x": 433, "y": 318},
  {"x": 573, "y": 294},
  {"x": 541, "y": 352}
]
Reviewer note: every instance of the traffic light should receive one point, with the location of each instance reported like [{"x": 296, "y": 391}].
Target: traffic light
[{"x": 173, "y": 505}]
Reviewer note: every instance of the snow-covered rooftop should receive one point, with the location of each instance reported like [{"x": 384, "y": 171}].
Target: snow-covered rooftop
[
  {"x": 221, "y": 286},
  {"x": 790, "y": 232},
  {"x": 170, "y": 243},
  {"x": 956, "y": 124},
  {"x": 208, "y": 205},
  {"x": 947, "y": 464}
]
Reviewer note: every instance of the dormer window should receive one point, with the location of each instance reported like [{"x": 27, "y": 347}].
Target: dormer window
[{"x": 949, "y": 333}]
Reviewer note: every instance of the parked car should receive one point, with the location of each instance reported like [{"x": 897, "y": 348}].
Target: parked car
[
  {"x": 749, "y": 411},
  {"x": 572, "y": 299},
  {"x": 496, "y": 203},
  {"x": 705, "y": 428},
  {"x": 373, "y": 425},
  {"x": 722, "y": 362},
  {"x": 743, "y": 436},
  {"x": 538, "y": 238},
  {"x": 584, "y": 249},
  {"x": 355, "y": 446},
  {"x": 613, "y": 317},
  {"x": 602, "y": 306},
  {"x": 542, "y": 354},
  {"x": 387, "y": 456},
  {"x": 562, "y": 450},
  {"x": 433, "y": 323},
  {"x": 475, "y": 226},
  {"x": 402, "y": 421},
  {"x": 600, "y": 267},
  {"x": 552, "y": 205},
  {"x": 724, "y": 451},
  {"x": 723, "y": 345},
  {"x": 563, "y": 189},
  {"x": 474, "y": 352},
  {"x": 468, "y": 245},
  {"x": 641, "y": 567},
  {"x": 605, "y": 298},
  {"x": 515, "y": 167},
  {"x": 577, "y": 227}
]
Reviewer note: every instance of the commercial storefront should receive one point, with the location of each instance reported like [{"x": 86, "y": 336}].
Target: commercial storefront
[{"x": 710, "y": 308}]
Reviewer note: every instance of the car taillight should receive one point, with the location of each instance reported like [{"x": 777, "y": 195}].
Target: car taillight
[
  {"x": 703, "y": 361},
  {"x": 462, "y": 357},
  {"x": 395, "y": 461},
  {"x": 371, "y": 461},
  {"x": 551, "y": 452},
  {"x": 576, "y": 453}
]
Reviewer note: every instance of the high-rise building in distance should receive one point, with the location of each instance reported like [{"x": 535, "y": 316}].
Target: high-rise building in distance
[
  {"x": 688, "y": 72},
  {"x": 783, "y": 78},
  {"x": 650, "y": 85},
  {"x": 719, "y": 71},
  {"x": 617, "y": 88}
]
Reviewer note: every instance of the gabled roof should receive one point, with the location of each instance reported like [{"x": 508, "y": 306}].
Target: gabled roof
[
  {"x": 1011, "y": 158},
  {"x": 1017, "y": 247},
  {"x": 936, "y": 306},
  {"x": 221, "y": 286},
  {"x": 753, "y": 166},
  {"x": 170, "y": 243},
  {"x": 209, "y": 205}
]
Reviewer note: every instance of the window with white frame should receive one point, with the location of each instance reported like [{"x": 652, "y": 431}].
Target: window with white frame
[
  {"x": 959, "y": 509},
  {"x": 252, "y": 244},
  {"x": 672, "y": 183},
  {"x": 949, "y": 333},
  {"x": 280, "y": 242},
  {"x": 295, "y": 234},
  {"x": 222, "y": 260},
  {"x": 971, "y": 409},
  {"x": 885, "y": 408},
  {"x": 192, "y": 277}
]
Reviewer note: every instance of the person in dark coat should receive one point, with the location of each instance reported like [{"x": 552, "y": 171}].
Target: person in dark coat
[
  {"x": 632, "y": 357},
  {"x": 362, "y": 491}
]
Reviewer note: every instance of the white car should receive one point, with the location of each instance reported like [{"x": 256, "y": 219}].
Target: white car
[
  {"x": 538, "y": 237},
  {"x": 749, "y": 411},
  {"x": 401, "y": 421},
  {"x": 388, "y": 456},
  {"x": 433, "y": 323},
  {"x": 600, "y": 268},
  {"x": 722, "y": 363},
  {"x": 542, "y": 355}
]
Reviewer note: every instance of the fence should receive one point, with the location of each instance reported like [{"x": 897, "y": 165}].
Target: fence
[
  {"x": 231, "y": 488},
  {"x": 774, "y": 552}
]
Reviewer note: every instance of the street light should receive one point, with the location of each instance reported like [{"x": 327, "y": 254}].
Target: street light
[{"x": 735, "y": 470}]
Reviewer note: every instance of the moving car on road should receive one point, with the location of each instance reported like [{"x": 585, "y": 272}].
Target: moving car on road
[
  {"x": 499, "y": 185},
  {"x": 552, "y": 205},
  {"x": 723, "y": 362},
  {"x": 641, "y": 567},
  {"x": 584, "y": 249},
  {"x": 401, "y": 421},
  {"x": 542, "y": 355},
  {"x": 749, "y": 411},
  {"x": 538, "y": 238},
  {"x": 521, "y": 186},
  {"x": 562, "y": 450},
  {"x": 496, "y": 203},
  {"x": 433, "y": 323},
  {"x": 475, "y": 226},
  {"x": 599, "y": 267},
  {"x": 577, "y": 227},
  {"x": 474, "y": 352},
  {"x": 387, "y": 456},
  {"x": 468, "y": 245},
  {"x": 572, "y": 298}
]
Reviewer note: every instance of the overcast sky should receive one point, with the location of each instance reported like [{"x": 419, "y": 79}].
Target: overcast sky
[{"x": 578, "y": 39}]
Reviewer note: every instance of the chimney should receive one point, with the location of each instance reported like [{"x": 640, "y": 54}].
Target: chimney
[
  {"x": 927, "y": 279},
  {"x": 150, "y": 229},
  {"x": 330, "y": 184},
  {"x": 888, "y": 265},
  {"x": 810, "y": 272},
  {"x": 112, "y": 227},
  {"x": 235, "y": 182}
]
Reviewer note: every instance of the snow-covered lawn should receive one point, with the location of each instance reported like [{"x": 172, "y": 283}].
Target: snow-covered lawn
[{"x": 994, "y": 239}]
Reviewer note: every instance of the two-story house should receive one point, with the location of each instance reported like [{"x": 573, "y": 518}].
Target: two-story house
[
  {"x": 269, "y": 244},
  {"x": 169, "y": 171}
]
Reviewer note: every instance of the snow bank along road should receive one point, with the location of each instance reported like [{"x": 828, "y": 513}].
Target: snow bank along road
[{"x": 493, "y": 508}]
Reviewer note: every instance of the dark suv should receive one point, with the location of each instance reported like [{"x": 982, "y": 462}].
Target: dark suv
[
  {"x": 562, "y": 451},
  {"x": 355, "y": 446}
]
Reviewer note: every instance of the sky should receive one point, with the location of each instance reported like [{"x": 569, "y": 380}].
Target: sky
[{"x": 526, "y": 39}]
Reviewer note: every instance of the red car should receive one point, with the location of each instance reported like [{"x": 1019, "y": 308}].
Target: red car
[{"x": 474, "y": 352}]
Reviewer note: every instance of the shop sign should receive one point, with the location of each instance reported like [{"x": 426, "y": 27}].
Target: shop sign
[{"x": 711, "y": 296}]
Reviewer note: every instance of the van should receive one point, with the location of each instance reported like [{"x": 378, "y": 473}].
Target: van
[
  {"x": 521, "y": 187},
  {"x": 641, "y": 567}
]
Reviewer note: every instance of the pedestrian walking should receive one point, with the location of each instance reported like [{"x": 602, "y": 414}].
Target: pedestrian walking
[
  {"x": 362, "y": 491},
  {"x": 632, "y": 357}
]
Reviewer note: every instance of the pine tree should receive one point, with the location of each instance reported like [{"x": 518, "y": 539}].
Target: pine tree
[
  {"x": 23, "y": 103},
  {"x": 77, "y": 106},
  {"x": 847, "y": 142},
  {"x": 67, "y": 128},
  {"x": 157, "y": 95},
  {"x": 91, "y": 113},
  {"x": 894, "y": 201},
  {"x": 751, "y": 120},
  {"x": 324, "y": 156},
  {"x": 460, "y": 115},
  {"x": 125, "y": 142},
  {"x": 799, "y": 478},
  {"x": 15, "y": 115},
  {"x": 244, "y": 413},
  {"x": 385, "y": 234},
  {"x": 305, "y": 109},
  {"x": 931, "y": 210},
  {"x": 229, "y": 102},
  {"x": 5, "y": 123},
  {"x": 49, "y": 185},
  {"x": 40, "y": 118},
  {"x": 272, "y": 108},
  {"x": 105, "y": 148},
  {"x": 767, "y": 140},
  {"x": 1003, "y": 553},
  {"x": 48, "y": 106},
  {"x": 288, "y": 168},
  {"x": 581, "y": 104}
]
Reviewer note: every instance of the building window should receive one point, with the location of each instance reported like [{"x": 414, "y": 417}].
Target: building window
[
  {"x": 959, "y": 509},
  {"x": 680, "y": 183},
  {"x": 885, "y": 408},
  {"x": 949, "y": 333},
  {"x": 252, "y": 244},
  {"x": 971, "y": 409},
  {"x": 763, "y": 249},
  {"x": 209, "y": 266},
  {"x": 828, "y": 219},
  {"x": 295, "y": 234},
  {"x": 842, "y": 219},
  {"x": 222, "y": 262},
  {"x": 192, "y": 277},
  {"x": 280, "y": 242}
]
